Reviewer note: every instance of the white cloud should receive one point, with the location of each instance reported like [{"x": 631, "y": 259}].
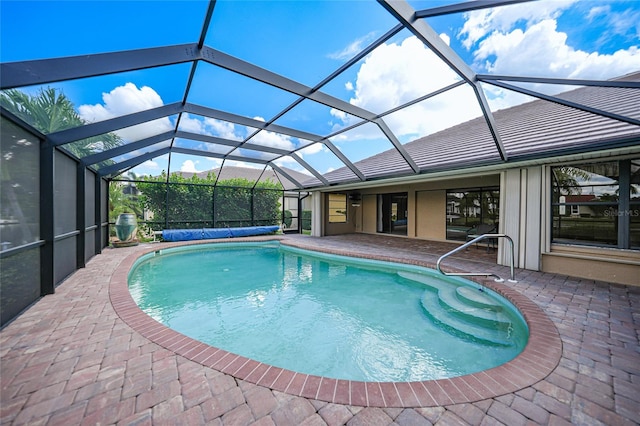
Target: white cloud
[
  {"x": 445, "y": 37},
  {"x": 542, "y": 50},
  {"x": 148, "y": 168},
  {"x": 307, "y": 151},
  {"x": 150, "y": 164},
  {"x": 353, "y": 48},
  {"x": 479, "y": 24},
  {"x": 213, "y": 127},
  {"x": 525, "y": 40},
  {"x": 291, "y": 164},
  {"x": 193, "y": 125},
  {"x": 598, "y": 11},
  {"x": 189, "y": 166},
  {"x": 247, "y": 164},
  {"x": 313, "y": 148},
  {"x": 625, "y": 24},
  {"x": 273, "y": 140},
  {"x": 231, "y": 131},
  {"x": 222, "y": 129},
  {"x": 125, "y": 100},
  {"x": 395, "y": 74},
  {"x": 216, "y": 162}
]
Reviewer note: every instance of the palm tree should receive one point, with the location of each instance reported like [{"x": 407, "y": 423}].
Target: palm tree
[
  {"x": 51, "y": 111},
  {"x": 567, "y": 180}
]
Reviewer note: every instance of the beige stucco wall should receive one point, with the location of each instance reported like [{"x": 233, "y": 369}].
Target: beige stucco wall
[
  {"x": 369, "y": 203},
  {"x": 430, "y": 214},
  {"x": 617, "y": 266}
]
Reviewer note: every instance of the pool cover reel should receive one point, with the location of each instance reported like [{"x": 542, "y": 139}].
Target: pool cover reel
[{"x": 214, "y": 233}]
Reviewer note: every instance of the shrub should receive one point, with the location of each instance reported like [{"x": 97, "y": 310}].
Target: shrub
[
  {"x": 288, "y": 218},
  {"x": 306, "y": 220}
]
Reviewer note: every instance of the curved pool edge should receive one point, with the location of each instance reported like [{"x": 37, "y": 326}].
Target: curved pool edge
[{"x": 539, "y": 358}]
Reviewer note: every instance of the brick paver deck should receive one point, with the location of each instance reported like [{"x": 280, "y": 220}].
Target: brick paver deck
[{"x": 86, "y": 356}]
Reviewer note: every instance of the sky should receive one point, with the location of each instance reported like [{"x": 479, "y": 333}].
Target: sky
[{"x": 306, "y": 41}]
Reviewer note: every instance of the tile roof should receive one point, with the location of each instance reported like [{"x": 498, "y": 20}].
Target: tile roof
[{"x": 537, "y": 129}]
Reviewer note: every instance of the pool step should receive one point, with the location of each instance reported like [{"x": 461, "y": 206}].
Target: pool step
[
  {"x": 458, "y": 326},
  {"x": 463, "y": 310},
  {"x": 477, "y": 298},
  {"x": 487, "y": 316}
]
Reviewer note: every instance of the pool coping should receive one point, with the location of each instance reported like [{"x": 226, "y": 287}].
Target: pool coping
[{"x": 537, "y": 360}]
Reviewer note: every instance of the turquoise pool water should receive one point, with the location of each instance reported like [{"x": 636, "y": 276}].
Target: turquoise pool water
[{"x": 328, "y": 315}]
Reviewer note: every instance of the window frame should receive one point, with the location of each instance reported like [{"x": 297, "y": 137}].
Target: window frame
[
  {"x": 624, "y": 208},
  {"x": 341, "y": 211},
  {"x": 484, "y": 217}
]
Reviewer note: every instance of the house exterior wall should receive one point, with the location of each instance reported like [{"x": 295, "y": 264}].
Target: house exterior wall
[
  {"x": 601, "y": 264},
  {"x": 521, "y": 216},
  {"x": 525, "y": 215},
  {"x": 317, "y": 214},
  {"x": 430, "y": 206},
  {"x": 426, "y": 205},
  {"x": 368, "y": 213},
  {"x": 597, "y": 263}
]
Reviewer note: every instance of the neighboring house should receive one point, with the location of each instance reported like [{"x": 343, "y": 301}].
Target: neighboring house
[
  {"x": 577, "y": 209},
  {"x": 462, "y": 165}
]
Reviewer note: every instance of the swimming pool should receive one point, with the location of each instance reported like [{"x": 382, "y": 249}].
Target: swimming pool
[{"x": 328, "y": 315}]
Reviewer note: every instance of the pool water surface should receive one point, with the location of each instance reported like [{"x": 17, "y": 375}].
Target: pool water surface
[{"x": 328, "y": 315}]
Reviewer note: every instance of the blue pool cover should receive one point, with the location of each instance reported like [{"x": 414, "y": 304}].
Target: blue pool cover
[{"x": 213, "y": 233}]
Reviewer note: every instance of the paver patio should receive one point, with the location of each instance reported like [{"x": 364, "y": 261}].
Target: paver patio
[{"x": 72, "y": 359}]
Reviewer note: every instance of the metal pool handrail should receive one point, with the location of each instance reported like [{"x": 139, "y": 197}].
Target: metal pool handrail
[{"x": 479, "y": 274}]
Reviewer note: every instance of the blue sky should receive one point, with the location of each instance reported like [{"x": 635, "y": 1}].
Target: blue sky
[{"x": 306, "y": 41}]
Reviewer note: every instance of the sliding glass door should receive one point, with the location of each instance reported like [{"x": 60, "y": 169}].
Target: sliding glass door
[{"x": 392, "y": 213}]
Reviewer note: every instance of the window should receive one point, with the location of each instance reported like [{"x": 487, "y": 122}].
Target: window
[
  {"x": 337, "y": 208},
  {"x": 597, "y": 204},
  {"x": 467, "y": 209}
]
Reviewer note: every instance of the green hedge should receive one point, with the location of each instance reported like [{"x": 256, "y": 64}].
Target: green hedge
[
  {"x": 306, "y": 220},
  {"x": 196, "y": 203}
]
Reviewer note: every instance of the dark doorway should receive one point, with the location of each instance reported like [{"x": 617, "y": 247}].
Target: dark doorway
[{"x": 392, "y": 213}]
